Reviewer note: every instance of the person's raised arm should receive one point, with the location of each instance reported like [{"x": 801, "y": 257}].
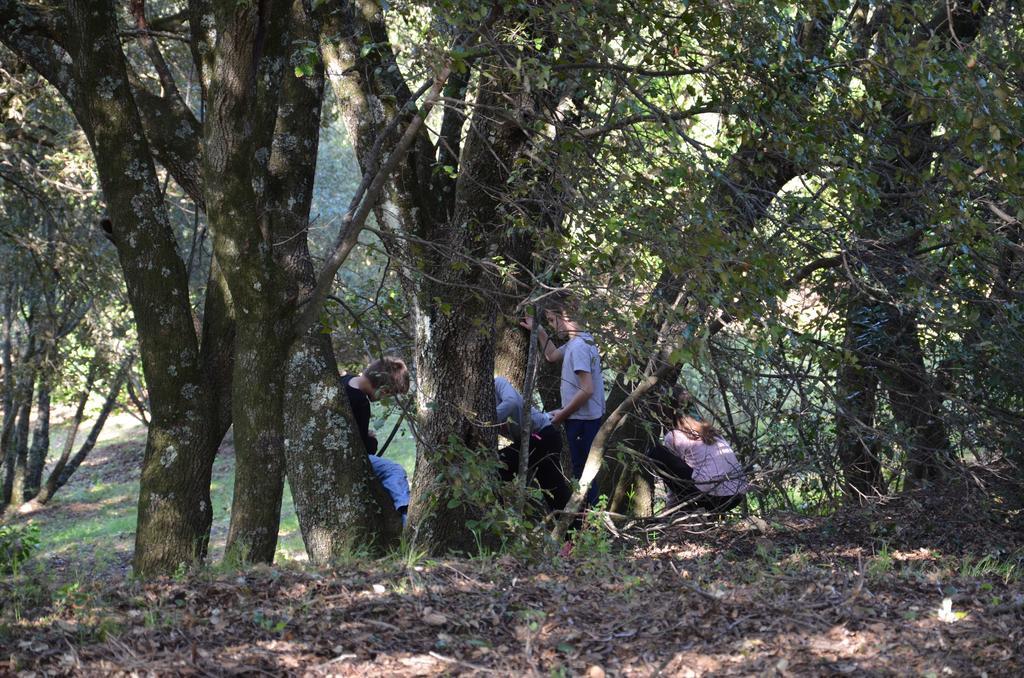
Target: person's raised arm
[{"x": 552, "y": 353}]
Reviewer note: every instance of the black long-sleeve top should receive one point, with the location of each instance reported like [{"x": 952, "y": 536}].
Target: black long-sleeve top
[{"x": 360, "y": 404}]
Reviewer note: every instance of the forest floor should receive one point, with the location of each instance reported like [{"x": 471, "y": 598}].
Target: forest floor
[{"x": 926, "y": 584}]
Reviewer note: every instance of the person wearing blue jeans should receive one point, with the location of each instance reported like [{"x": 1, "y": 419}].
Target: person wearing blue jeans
[
  {"x": 387, "y": 376},
  {"x": 392, "y": 476},
  {"x": 581, "y": 388}
]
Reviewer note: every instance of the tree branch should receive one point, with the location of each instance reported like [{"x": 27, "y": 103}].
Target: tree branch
[
  {"x": 163, "y": 71},
  {"x": 175, "y": 136},
  {"x": 590, "y": 132},
  {"x": 362, "y": 205}
]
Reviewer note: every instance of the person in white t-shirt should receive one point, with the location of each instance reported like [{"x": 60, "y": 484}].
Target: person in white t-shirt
[{"x": 582, "y": 386}]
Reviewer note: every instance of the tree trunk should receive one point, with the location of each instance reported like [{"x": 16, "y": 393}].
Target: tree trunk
[
  {"x": 175, "y": 511},
  {"x": 365, "y": 518},
  {"x": 40, "y": 437},
  {"x": 59, "y": 480},
  {"x": 16, "y": 458},
  {"x": 50, "y": 486},
  {"x": 217, "y": 351},
  {"x": 882, "y": 330},
  {"x": 633, "y": 492},
  {"x": 243, "y": 91},
  {"x": 16, "y": 461},
  {"x": 9, "y": 382},
  {"x": 259, "y": 454},
  {"x": 341, "y": 506},
  {"x": 857, "y": 440},
  {"x": 454, "y": 367},
  {"x": 455, "y": 331},
  {"x": 289, "y": 407},
  {"x": 917, "y": 404}
]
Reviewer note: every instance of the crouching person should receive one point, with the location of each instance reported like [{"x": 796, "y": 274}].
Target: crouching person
[
  {"x": 697, "y": 464},
  {"x": 545, "y": 445},
  {"x": 384, "y": 377}
]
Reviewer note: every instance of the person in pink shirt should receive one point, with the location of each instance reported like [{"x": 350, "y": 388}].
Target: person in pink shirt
[{"x": 698, "y": 465}]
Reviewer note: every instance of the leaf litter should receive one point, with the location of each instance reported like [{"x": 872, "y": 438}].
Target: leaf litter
[{"x": 884, "y": 589}]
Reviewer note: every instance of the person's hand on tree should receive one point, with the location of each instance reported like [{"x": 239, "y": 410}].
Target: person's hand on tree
[
  {"x": 555, "y": 416},
  {"x": 527, "y": 322}
]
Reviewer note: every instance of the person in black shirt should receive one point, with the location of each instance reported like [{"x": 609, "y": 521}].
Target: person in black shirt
[{"x": 383, "y": 377}]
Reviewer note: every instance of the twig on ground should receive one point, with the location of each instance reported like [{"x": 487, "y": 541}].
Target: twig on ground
[{"x": 459, "y": 662}]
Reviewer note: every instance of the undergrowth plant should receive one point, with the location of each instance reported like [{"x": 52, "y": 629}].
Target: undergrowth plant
[
  {"x": 472, "y": 480},
  {"x": 592, "y": 543},
  {"x": 17, "y": 544},
  {"x": 1007, "y": 569},
  {"x": 881, "y": 563}
]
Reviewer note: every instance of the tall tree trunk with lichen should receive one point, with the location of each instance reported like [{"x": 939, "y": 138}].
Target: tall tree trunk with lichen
[
  {"x": 456, "y": 342},
  {"x": 342, "y": 507},
  {"x": 245, "y": 70},
  {"x": 174, "y": 505}
]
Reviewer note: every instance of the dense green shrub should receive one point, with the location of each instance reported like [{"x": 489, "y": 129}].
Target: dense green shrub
[{"x": 17, "y": 543}]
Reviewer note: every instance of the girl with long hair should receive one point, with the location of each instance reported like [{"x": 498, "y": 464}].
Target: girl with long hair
[{"x": 697, "y": 464}]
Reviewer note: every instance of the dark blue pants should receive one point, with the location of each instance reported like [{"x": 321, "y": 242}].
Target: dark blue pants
[{"x": 581, "y": 434}]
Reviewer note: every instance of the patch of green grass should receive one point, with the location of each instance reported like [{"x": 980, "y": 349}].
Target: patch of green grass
[
  {"x": 97, "y": 492},
  {"x": 403, "y": 447},
  {"x": 100, "y": 516},
  {"x": 881, "y": 563},
  {"x": 98, "y": 530},
  {"x": 289, "y": 539},
  {"x": 992, "y": 566}
]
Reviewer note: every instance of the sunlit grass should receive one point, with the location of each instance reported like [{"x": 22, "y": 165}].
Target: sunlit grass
[
  {"x": 101, "y": 531},
  {"x": 403, "y": 447},
  {"x": 100, "y": 516}
]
